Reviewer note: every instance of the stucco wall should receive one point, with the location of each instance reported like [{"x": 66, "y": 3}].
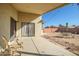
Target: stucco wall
[
  {"x": 6, "y": 11},
  {"x": 50, "y": 30}
]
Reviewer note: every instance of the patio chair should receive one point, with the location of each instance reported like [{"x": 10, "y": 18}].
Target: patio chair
[{"x": 10, "y": 49}]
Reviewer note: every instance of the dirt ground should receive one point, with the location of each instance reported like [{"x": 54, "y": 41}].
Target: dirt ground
[{"x": 67, "y": 40}]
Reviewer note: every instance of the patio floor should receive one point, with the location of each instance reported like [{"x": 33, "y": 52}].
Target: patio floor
[{"x": 44, "y": 46}]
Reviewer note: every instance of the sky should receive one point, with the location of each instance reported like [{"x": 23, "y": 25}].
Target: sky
[{"x": 68, "y": 13}]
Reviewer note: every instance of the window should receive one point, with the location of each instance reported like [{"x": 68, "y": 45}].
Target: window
[
  {"x": 27, "y": 29},
  {"x": 12, "y": 27}
]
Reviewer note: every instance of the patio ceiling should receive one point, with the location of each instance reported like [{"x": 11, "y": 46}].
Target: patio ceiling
[{"x": 36, "y": 8}]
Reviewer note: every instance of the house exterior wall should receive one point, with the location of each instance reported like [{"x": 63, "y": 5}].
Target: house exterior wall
[
  {"x": 6, "y": 11},
  {"x": 32, "y": 18}
]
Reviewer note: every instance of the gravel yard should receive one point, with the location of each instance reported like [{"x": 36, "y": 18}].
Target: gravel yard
[{"x": 69, "y": 41}]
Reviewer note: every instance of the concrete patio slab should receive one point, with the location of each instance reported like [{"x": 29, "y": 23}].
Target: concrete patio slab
[{"x": 45, "y": 47}]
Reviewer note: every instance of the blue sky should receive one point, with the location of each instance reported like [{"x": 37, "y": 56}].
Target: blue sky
[{"x": 68, "y": 13}]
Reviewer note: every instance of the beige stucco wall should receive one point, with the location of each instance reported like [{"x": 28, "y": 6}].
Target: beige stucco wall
[{"x": 6, "y": 11}]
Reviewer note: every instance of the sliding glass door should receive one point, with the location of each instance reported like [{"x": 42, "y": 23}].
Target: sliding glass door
[{"x": 27, "y": 29}]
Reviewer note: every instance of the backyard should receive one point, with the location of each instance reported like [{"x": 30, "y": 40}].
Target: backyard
[{"x": 67, "y": 40}]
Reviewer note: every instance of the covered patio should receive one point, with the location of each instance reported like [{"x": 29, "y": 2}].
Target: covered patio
[{"x": 15, "y": 19}]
